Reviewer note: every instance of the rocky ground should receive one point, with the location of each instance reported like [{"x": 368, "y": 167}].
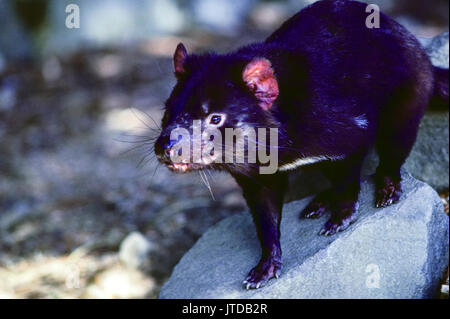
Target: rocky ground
[
  {"x": 352, "y": 264},
  {"x": 85, "y": 211}
]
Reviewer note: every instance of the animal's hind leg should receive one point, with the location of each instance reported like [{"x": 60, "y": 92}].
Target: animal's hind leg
[
  {"x": 398, "y": 132},
  {"x": 345, "y": 177}
]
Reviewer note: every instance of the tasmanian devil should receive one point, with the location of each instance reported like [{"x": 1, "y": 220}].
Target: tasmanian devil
[{"x": 333, "y": 87}]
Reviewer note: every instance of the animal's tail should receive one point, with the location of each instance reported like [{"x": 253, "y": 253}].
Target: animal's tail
[{"x": 440, "y": 95}]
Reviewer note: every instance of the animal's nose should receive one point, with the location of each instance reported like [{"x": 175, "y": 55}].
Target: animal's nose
[
  {"x": 163, "y": 147},
  {"x": 167, "y": 152},
  {"x": 168, "y": 147}
]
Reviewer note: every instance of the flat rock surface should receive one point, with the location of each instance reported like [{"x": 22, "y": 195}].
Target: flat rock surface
[{"x": 397, "y": 252}]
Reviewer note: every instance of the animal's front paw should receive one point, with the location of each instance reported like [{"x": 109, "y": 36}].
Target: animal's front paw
[
  {"x": 338, "y": 222},
  {"x": 388, "y": 192},
  {"x": 266, "y": 269}
]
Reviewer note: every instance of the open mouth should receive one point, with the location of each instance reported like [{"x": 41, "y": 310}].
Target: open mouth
[{"x": 183, "y": 167}]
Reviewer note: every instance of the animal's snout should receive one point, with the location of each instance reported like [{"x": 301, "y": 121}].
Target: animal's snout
[
  {"x": 163, "y": 147},
  {"x": 167, "y": 151}
]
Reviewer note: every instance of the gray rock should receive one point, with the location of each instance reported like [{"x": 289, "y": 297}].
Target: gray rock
[
  {"x": 134, "y": 251},
  {"x": 437, "y": 48},
  {"x": 397, "y": 252},
  {"x": 429, "y": 159}
]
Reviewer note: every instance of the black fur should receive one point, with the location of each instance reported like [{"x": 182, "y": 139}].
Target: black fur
[{"x": 343, "y": 88}]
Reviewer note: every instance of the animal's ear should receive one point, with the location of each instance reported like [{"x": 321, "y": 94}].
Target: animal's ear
[
  {"x": 260, "y": 78},
  {"x": 179, "y": 59}
]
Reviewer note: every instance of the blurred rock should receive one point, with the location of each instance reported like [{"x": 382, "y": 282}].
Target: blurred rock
[
  {"x": 166, "y": 16},
  {"x": 234, "y": 199},
  {"x": 16, "y": 215},
  {"x": 120, "y": 283},
  {"x": 396, "y": 252},
  {"x": 429, "y": 159},
  {"x": 58, "y": 277},
  {"x": 2, "y": 62},
  {"x": 223, "y": 16},
  {"x": 51, "y": 69},
  {"x": 108, "y": 66},
  {"x": 134, "y": 251},
  {"x": 7, "y": 96},
  {"x": 437, "y": 48},
  {"x": 13, "y": 40},
  {"x": 437, "y": 13},
  {"x": 269, "y": 15},
  {"x": 112, "y": 23}
]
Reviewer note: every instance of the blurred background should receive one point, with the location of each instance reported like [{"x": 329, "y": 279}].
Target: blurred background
[{"x": 84, "y": 209}]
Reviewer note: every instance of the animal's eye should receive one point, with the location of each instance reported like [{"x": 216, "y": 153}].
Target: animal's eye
[{"x": 216, "y": 119}]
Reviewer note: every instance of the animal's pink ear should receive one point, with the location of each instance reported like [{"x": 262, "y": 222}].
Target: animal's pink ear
[
  {"x": 179, "y": 59},
  {"x": 260, "y": 78}
]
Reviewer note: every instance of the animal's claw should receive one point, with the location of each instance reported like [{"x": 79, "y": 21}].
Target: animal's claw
[{"x": 265, "y": 270}]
